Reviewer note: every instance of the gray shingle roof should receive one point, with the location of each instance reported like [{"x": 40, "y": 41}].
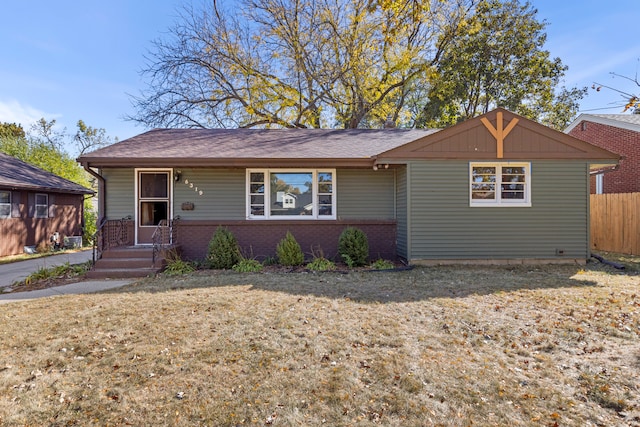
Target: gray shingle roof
[
  {"x": 202, "y": 145},
  {"x": 16, "y": 174},
  {"x": 627, "y": 118}
]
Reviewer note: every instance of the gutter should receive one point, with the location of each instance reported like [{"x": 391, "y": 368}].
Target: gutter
[
  {"x": 102, "y": 191},
  {"x": 227, "y": 162},
  {"x": 604, "y": 170}
]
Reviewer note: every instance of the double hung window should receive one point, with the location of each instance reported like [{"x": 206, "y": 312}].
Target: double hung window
[
  {"x": 5, "y": 204},
  {"x": 500, "y": 184},
  {"x": 42, "y": 206}
]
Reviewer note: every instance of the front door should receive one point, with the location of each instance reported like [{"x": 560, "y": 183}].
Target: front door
[{"x": 153, "y": 201}]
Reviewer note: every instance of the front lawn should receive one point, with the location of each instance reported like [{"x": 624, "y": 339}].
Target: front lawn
[{"x": 437, "y": 346}]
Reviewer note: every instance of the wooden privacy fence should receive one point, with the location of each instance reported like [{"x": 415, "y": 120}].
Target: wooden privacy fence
[{"x": 615, "y": 222}]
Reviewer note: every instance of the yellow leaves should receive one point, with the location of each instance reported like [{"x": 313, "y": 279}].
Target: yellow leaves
[
  {"x": 414, "y": 9},
  {"x": 469, "y": 26},
  {"x": 634, "y": 102}
]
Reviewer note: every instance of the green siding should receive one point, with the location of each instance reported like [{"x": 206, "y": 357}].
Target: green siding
[
  {"x": 444, "y": 226},
  {"x": 365, "y": 193},
  {"x": 361, "y": 194},
  {"x": 223, "y": 194},
  {"x": 401, "y": 212},
  {"x": 120, "y": 197}
]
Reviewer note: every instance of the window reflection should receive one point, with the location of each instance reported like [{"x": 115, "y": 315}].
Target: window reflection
[{"x": 291, "y": 193}]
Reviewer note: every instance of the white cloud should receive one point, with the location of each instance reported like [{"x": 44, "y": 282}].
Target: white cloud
[{"x": 12, "y": 111}]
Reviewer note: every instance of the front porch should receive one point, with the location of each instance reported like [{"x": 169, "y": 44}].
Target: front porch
[
  {"x": 115, "y": 254},
  {"x": 127, "y": 262}
]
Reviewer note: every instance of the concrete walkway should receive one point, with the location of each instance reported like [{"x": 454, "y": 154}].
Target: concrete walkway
[{"x": 20, "y": 270}]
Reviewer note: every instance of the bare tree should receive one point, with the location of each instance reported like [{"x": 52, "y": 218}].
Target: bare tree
[
  {"x": 44, "y": 131},
  {"x": 89, "y": 138},
  {"x": 630, "y": 101},
  {"x": 296, "y": 63}
]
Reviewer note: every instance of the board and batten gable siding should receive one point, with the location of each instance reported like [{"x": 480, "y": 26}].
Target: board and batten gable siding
[
  {"x": 444, "y": 227},
  {"x": 120, "y": 192},
  {"x": 365, "y": 193},
  {"x": 223, "y": 194}
]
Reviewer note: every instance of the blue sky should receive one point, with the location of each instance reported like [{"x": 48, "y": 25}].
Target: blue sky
[{"x": 70, "y": 60}]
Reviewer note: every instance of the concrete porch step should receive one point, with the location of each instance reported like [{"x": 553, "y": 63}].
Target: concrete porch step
[
  {"x": 127, "y": 262},
  {"x": 129, "y": 252},
  {"x": 121, "y": 273},
  {"x": 111, "y": 262}
]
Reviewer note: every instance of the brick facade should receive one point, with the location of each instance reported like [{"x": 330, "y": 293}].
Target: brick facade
[
  {"x": 259, "y": 238},
  {"x": 625, "y": 142},
  {"x": 65, "y": 218}
]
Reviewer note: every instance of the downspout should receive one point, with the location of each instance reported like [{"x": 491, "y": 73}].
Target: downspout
[{"x": 102, "y": 191}]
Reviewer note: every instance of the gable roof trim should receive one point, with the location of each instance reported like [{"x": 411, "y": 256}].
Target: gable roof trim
[
  {"x": 623, "y": 121},
  {"x": 18, "y": 175},
  {"x": 472, "y": 139}
]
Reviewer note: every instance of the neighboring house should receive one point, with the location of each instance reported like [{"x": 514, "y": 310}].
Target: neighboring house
[
  {"x": 497, "y": 188},
  {"x": 619, "y": 133},
  {"x": 35, "y": 205}
]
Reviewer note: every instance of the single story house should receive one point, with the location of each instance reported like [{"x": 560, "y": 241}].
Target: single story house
[
  {"x": 497, "y": 188},
  {"x": 619, "y": 133},
  {"x": 36, "y": 205}
]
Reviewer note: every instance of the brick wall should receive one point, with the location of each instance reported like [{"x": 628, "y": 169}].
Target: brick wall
[
  {"x": 66, "y": 219},
  {"x": 624, "y": 142},
  {"x": 260, "y": 238}
]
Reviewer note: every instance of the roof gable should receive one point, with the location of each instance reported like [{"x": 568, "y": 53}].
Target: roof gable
[
  {"x": 476, "y": 138},
  {"x": 623, "y": 121},
  {"x": 16, "y": 174}
]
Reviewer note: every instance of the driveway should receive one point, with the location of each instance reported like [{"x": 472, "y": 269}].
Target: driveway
[{"x": 20, "y": 270}]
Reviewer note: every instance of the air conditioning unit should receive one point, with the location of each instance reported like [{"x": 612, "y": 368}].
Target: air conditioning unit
[{"x": 73, "y": 242}]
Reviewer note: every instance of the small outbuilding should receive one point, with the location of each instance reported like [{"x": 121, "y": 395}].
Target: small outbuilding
[{"x": 37, "y": 207}]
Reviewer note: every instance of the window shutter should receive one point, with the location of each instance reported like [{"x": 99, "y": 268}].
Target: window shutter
[
  {"x": 31, "y": 208},
  {"x": 15, "y": 204},
  {"x": 52, "y": 205}
]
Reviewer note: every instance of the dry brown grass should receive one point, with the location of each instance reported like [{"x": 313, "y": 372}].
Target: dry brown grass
[{"x": 439, "y": 346}]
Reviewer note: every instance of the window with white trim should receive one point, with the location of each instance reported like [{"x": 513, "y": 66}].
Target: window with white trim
[
  {"x": 5, "y": 204},
  {"x": 500, "y": 184},
  {"x": 42, "y": 206},
  {"x": 291, "y": 194}
]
